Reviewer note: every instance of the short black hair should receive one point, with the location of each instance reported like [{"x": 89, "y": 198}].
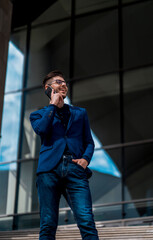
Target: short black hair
[{"x": 51, "y": 75}]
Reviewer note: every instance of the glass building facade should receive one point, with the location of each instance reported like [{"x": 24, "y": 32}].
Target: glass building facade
[{"x": 105, "y": 49}]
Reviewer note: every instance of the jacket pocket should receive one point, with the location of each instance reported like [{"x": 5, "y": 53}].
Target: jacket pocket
[{"x": 45, "y": 148}]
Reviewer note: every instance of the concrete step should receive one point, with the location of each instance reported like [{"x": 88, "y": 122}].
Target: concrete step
[{"x": 71, "y": 232}]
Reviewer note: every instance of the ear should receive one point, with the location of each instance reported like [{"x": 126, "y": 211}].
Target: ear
[{"x": 46, "y": 86}]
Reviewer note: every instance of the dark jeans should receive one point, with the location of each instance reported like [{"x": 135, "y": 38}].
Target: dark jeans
[{"x": 69, "y": 179}]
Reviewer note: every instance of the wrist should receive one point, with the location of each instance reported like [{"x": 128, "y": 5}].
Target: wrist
[
  {"x": 52, "y": 102},
  {"x": 86, "y": 158}
]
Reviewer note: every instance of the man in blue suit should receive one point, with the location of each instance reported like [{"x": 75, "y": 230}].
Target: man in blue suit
[{"x": 66, "y": 150}]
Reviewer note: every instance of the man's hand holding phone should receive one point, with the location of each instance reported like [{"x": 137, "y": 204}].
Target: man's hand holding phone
[{"x": 56, "y": 99}]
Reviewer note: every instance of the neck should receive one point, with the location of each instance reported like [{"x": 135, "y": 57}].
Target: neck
[{"x": 60, "y": 104}]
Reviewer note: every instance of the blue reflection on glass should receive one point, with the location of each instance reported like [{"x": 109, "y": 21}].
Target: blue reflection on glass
[
  {"x": 11, "y": 107},
  {"x": 14, "y": 72},
  {"x": 102, "y": 162}
]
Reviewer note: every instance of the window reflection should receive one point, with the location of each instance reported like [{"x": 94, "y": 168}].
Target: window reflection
[
  {"x": 101, "y": 160},
  {"x": 12, "y": 107},
  {"x": 7, "y": 186},
  {"x": 14, "y": 72}
]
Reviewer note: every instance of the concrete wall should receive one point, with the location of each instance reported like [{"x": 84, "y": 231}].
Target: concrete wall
[{"x": 5, "y": 26}]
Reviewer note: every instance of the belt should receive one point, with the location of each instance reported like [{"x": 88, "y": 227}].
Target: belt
[{"x": 67, "y": 155}]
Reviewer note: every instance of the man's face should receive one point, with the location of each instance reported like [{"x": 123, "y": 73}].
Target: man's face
[{"x": 58, "y": 84}]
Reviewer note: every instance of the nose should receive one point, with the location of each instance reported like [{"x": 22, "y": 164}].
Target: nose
[{"x": 63, "y": 83}]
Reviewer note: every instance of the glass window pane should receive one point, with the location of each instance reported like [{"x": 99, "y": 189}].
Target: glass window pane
[
  {"x": 141, "y": 209},
  {"x": 138, "y": 172},
  {"x": 100, "y": 96},
  {"x": 49, "y": 50},
  {"x": 106, "y": 168},
  {"x": 92, "y": 5},
  {"x": 35, "y": 100},
  {"x": 28, "y": 221},
  {"x": 58, "y": 9},
  {"x": 28, "y": 200},
  {"x": 6, "y": 223},
  {"x": 107, "y": 213},
  {"x": 15, "y": 62},
  {"x": 7, "y": 187},
  {"x": 138, "y": 34},
  {"x": 96, "y": 44},
  {"x": 10, "y": 127},
  {"x": 138, "y": 100},
  {"x": 130, "y": 1}
]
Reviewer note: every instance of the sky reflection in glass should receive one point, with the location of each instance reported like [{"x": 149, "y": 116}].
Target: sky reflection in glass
[{"x": 11, "y": 107}]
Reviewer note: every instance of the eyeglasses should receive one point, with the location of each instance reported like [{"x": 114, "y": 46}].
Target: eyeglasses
[{"x": 58, "y": 81}]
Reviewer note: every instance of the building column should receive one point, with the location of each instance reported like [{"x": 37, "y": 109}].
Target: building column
[{"x": 5, "y": 27}]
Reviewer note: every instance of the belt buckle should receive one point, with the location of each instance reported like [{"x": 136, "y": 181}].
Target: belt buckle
[{"x": 67, "y": 155}]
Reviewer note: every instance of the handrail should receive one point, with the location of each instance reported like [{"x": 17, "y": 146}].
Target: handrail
[
  {"x": 94, "y": 206},
  {"x": 18, "y": 161}
]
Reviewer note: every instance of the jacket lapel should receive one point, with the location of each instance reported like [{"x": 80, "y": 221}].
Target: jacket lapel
[
  {"x": 56, "y": 115},
  {"x": 72, "y": 114}
]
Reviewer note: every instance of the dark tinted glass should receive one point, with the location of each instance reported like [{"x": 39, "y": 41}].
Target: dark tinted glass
[
  {"x": 138, "y": 34},
  {"x": 57, "y": 10},
  {"x": 93, "y": 5},
  {"x": 138, "y": 99},
  {"x": 49, "y": 50},
  {"x": 96, "y": 44},
  {"x": 105, "y": 183},
  {"x": 100, "y": 97},
  {"x": 138, "y": 172}
]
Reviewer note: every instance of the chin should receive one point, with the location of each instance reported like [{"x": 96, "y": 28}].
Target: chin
[{"x": 64, "y": 95}]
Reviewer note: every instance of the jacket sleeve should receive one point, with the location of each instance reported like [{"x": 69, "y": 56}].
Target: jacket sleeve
[
  {"x": 41, "y": 120},
  {"x": 88, "y": 140}
]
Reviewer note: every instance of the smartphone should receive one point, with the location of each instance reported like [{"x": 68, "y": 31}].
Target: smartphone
[{"x": 48, "y": 92}]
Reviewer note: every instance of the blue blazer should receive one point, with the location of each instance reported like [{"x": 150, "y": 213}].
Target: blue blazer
[{"x": 54, "y": 137}]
